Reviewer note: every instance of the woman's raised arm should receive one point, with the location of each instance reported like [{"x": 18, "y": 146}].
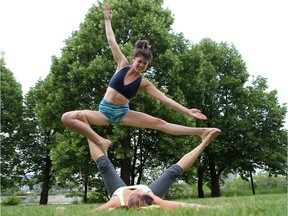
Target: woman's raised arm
[{"x": 117, "y": 54}]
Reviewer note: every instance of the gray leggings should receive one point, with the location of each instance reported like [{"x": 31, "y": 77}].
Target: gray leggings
[{"x": 113, "y": 181}]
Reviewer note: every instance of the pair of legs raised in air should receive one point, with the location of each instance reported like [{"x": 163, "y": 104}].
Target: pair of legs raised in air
[
  {"x": 185, "y": 162},
  {"x": 74, "y": 120}
]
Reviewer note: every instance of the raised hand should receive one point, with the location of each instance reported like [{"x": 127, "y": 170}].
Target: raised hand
[
  {"x": 197, "y": 114},
  {"x": 107, "y": 12}
]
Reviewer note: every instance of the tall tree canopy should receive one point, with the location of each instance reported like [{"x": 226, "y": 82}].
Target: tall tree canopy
[
  {"x": 208, "y": 75},
  {"x": 11, "y": 113}
]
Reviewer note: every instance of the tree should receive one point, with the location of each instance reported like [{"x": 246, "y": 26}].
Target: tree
[
  {"x": 86, "y": 57},
  {"x": 36, "y": 138},
  {"x": 266, "y": 143},
  {"x": 214, "y": 79},
  {"x": 208, "y": 75},
  {"x": 218, "y": 76},
  {"x": 11, "y": 114}
]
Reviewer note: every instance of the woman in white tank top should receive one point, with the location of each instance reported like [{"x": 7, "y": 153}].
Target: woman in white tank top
[{"x": 138, "y": 196}]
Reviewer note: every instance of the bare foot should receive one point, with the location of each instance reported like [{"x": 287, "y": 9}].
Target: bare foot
[
  {"x": 103, "y": 144},
  {"x": 207, "y": 131},
  {"x": 212, "y": 135}
]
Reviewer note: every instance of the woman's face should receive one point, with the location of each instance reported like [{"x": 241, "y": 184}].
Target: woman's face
[{"x": 139, "y": 64}]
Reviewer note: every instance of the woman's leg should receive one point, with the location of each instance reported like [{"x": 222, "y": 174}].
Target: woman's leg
[
  {"x": 74, "y": 121},
  {"x": 109, "y": 175},
  {"x": 142, "y": 120},
  {"x": 188, "y": 159},
  {"x": 162, "y": 184}
]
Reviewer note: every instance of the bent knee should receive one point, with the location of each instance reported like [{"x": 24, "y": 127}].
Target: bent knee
[{"x": 67, "y": 117}]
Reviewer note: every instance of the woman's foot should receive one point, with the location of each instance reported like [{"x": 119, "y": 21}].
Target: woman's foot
[
  {"x": 211, "y": 136},
  {"x": 207, "y": 131},
  {"x": 104, "y": 146}
]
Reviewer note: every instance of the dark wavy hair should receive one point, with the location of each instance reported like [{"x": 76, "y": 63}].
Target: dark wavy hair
[
  {"x": 141, "y": 48},
  {"x": 137, "y": 201}
]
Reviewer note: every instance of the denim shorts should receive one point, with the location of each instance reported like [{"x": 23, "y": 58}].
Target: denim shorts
[{"x": 113, "y": 113}]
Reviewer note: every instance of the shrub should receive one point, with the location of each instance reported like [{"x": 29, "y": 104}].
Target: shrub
[
  {"x": 263, "y": 184},
  {"x": 184, "y": 190},
  {"x": 96, "y": 197},
  {"x": 264, "y": 181},
  {"x": 12, "y": 200},
  {"x": 74, "y": 194}
]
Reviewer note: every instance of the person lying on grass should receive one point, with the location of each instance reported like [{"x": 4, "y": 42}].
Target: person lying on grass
[{"x": 138, "y": 196}]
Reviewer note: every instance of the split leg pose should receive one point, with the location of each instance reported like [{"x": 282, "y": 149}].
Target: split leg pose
[{"x": 125, "y": 84}]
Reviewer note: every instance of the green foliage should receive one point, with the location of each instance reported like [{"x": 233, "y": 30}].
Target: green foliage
[
  {"x": 264, "y": 180},
  {"x": 74, "y": 194},
  {"x": 184, "y": 191},
  {"x": 96, "y": 197},
  {"x": 10, "y": 191},
  {"x": 11, "y": 201},
  {"x": 216, "y": 82},
  {"x": 81, "y": 75},
  {"x": 11, "y": 101},
  {"x": 263, "y": 184},
  {"x": 236, "y": 185},
  {"x": 209, "y": 76},
  {"x": 11, "y": 117}
]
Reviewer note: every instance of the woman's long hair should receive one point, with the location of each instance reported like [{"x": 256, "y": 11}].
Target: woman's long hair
[{"x": 137, "y": 201}]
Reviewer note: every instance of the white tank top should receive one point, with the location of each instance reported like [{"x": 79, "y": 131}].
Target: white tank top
[{"x": 119, "y": 191}]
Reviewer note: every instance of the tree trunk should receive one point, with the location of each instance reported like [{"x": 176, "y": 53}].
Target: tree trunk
[
  {"x": 46, "y": 181},
  {"x": 200, "y": 182},
  {"x": 141, "y": 159},
  {"x": 85, "y": 189},
  {"x": 126, "y": 161},
  {"x": 252, "y": 183},
  {"x": 215, "y": 187},
  {"x": 140, "y": 169}
]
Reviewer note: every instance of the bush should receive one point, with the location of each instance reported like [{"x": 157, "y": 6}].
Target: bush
[
  {"x": 263, "y": 184},
  {"x": 96, "y": 197},
  {"x": 12, "y": 200},
  {"x": 74, "y": 194},
  {"x": 184, "y": 190},
  {"x": 264, "y": 181}
]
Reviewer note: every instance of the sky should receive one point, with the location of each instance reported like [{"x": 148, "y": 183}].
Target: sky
[{"x": 32, "y": 31}]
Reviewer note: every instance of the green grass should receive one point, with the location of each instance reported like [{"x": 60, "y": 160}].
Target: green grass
[{"x": 267, "y": 204}]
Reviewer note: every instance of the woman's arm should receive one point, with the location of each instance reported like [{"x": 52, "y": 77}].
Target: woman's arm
[
  {"x": 170, "y": 205},
  {"x": 108, "y": 205},
  {"x": 157, "y": 94},
  {"x": 117, "y": 54}
]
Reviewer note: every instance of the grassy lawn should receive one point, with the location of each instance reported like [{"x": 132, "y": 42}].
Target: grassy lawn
[{"x": 268, "y": 204}]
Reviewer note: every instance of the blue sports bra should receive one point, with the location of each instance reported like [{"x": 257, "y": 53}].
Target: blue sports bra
[{"x": 117, "y": 83}]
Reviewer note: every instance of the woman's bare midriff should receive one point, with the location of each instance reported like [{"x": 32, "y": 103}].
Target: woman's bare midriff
[{"x": 115, "y": 97}]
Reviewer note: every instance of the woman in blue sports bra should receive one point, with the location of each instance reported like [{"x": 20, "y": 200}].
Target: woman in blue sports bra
[
  {"x": 124, "y": 85},
  {"x": 137, "y": 196}
]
